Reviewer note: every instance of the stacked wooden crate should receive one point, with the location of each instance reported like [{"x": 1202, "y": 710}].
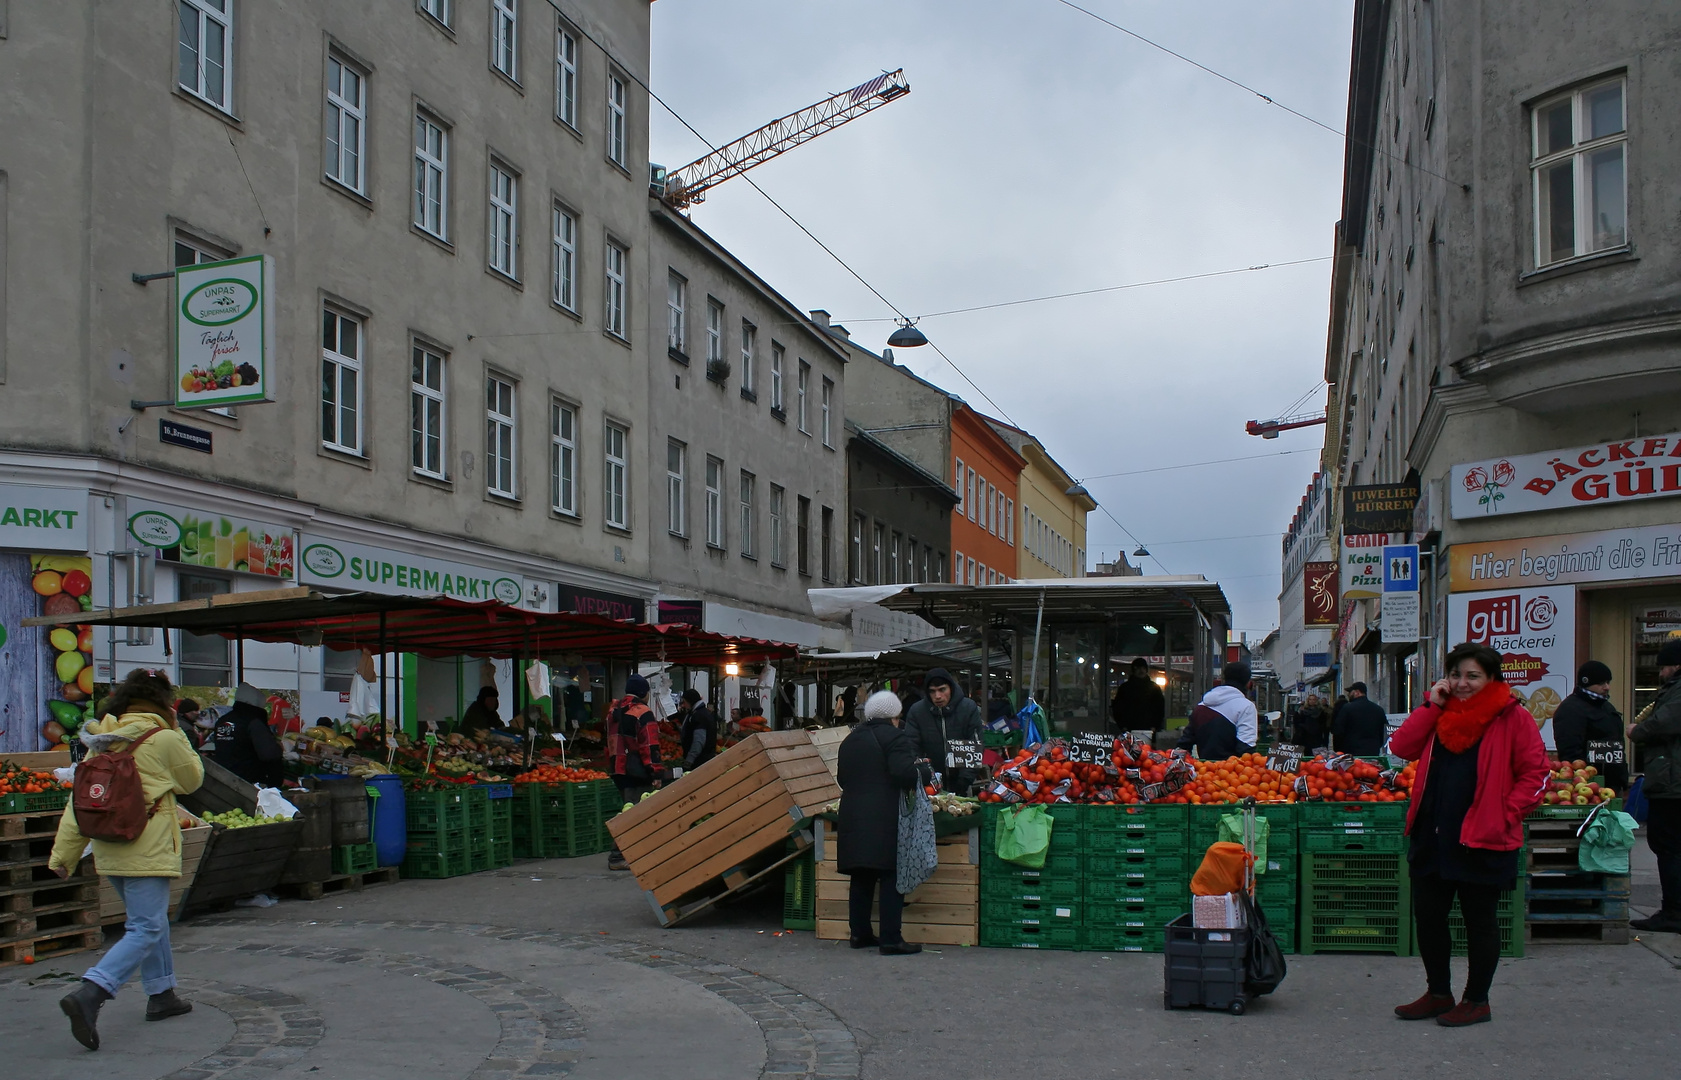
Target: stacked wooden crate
[
  {"x": 725, "y": 825},
  {"x": 41, "y": 914},
  {"x": 944, "y": 910}
]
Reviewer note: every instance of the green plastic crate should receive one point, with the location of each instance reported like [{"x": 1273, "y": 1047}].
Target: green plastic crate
[
  {"x": 1147, "y": 891},
  {"x": 1030, "y": 937},
  {"x": 1021, "y": 888},
  {"x": 1511, "y": 918},
  {"x": 1335, "y": 815},
  {"x": 427, "y": 843},
  {"x": 1067, "y": 819},
  {"x": 1321, "y": 840},
  {"x": 527, "y": 846},
  {"x": 1137, "y": 915},
  {"x": 996, "y": 912},
  {"x": 799, "y": 892},
  {"x": 501, "y": 853},
  {"x": 1057, "y": 864},
  {"x": 417, "y": 865},
  {"x": 1357, "y": 917},
  {"x": 436, "y": 811},
  {"x": 355, "y": 859},
  {"x": 1137, "y": 867},
  {"x": 40, "y": 801},
  {"x": 1121, "y": 939},
  {"x": 1351, "y": 868}
]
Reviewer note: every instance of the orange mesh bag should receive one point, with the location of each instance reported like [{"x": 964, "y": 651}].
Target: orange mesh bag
[{"x": 1224, "y": 870}]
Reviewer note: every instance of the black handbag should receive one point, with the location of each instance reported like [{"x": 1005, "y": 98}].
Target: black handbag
[{"x": 1264, "y": 967}]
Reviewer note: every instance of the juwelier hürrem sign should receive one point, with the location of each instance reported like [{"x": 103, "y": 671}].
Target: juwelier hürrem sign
[
  {"x": 1648, "y": 467},
  {"x": 224, "y": 332}
]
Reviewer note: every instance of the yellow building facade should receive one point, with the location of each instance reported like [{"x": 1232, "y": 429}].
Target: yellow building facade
[{"x": 1050, "y": 522}]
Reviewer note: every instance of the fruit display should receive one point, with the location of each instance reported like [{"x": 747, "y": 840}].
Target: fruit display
[
  {"x": 1575, "y": 783},
  {"x": 16, "y": 780},
  {"x": 558, "y": 774},
  {"x": 239, "y": 819},
  {"x": 65, "y": 587},
  {"x": 224, "y": 376}
]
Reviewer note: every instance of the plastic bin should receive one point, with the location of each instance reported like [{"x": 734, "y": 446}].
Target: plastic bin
[
  {"x": 1204, "y": 968},
  {"x": 356, "y": 859},
  {"x": 388, "y": 815}
]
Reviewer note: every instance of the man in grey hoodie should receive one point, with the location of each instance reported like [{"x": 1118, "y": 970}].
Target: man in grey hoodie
[{"x": 943, "y": 714}]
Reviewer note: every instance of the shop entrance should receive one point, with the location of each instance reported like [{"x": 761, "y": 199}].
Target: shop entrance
[{"x": 1625, "y": 629}]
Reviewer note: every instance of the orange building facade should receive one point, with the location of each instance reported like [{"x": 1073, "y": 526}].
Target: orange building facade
[{"x": 985, "y": 473}]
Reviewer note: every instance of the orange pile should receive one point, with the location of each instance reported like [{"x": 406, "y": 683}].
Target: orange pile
[
  {"x": 1234, "y": 779},
  {"x": 15, "y": 780},
  {"x": 558, "y": 774}
]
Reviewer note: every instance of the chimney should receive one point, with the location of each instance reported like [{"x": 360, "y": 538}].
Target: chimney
[
  {"x": 887, "y": 356},
  {"x": 840, "y": 331},
  {"x": 820, "y": 317}
]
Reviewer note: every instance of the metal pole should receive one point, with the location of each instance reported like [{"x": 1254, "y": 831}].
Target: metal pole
[
  {"x": 239, "y": 651},
  {"x": 986, "y": 663},
  {"x": 382, "y": 667},
  {"x": 1038, "y": 624}
]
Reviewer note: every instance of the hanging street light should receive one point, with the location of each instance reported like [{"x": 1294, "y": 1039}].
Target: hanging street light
[{"x": 907, "y": 336}]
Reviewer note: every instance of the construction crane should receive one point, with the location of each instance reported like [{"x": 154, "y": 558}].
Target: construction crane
[
  {"x": 680, "y": 188},
  {"x": 1269, "y": 429}
]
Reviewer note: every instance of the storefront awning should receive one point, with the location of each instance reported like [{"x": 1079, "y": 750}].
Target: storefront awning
[{"x": 431, "y": 626}]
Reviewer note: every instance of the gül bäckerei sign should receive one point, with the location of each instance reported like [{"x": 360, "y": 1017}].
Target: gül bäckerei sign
[
  {"x": 1622, "y": 470},
  {"x": 224, "y": 332}
]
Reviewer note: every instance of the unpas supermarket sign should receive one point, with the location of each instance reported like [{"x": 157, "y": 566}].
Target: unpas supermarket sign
[
  {"x": 1619, "y": 471},
  {"x": 224, "y": 332},
  {"x": 360, "y": 568},
  {"x": 43, "y": 519}
]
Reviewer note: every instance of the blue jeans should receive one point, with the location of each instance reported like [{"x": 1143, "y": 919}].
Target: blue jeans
[{"x": 144, "y": 945}]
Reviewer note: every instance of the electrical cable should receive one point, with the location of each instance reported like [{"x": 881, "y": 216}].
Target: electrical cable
[{"x": 1200, "y": 464}]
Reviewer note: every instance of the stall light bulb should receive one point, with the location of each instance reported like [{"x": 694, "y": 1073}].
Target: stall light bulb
[
  {"x": 1161, "y": 680},
  {"x": 1148, "y": 629},
  {"x": 732, "y": 669}
]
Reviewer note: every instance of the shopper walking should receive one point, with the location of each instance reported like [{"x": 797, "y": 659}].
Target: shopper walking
[
  {"x": 698, "y": 735},
  {"x": 1359, "y": 726},
  {"x": 1308, "y": 724},
  {"x": 633, "y": 750},
  {"x": 1587, "y": 715},
  {"x": 139, "y": 723},
  {"x": 1224, "y": 723},
  {"x": 245, "y": 744},
  {"x": 1139, "y": 704},
  {"x": 1659, "y": 735},
  {"x": 876, "y": 766},
  {"x": 1481, "y": 769},
  {"x": 943, "y": 714}
]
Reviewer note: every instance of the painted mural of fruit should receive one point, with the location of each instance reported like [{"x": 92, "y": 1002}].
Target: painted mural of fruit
[
  {"x": 69, "y": 665},
  {"x": 76, "y": 583},
  {"x": 84, "y": 680},
  {"x": 48, "y": 583},
  {"x": 62, "y": 639}
]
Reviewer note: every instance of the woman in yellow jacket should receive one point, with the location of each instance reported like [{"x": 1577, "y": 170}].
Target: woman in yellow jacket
[{"x": 140, "y": 871}]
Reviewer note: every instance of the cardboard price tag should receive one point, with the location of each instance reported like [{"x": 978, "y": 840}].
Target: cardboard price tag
[
  {"x": 964, "y": 754},
  {"x": 1092, "y": 748},
  {"x": 1602, "y": 752}
]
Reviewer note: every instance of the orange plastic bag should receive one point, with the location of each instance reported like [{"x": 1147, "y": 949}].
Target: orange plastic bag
[{"x": 1224, "y": 870}]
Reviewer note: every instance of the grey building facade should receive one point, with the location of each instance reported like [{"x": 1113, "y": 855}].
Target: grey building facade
[{"x": 899, "y": 515}]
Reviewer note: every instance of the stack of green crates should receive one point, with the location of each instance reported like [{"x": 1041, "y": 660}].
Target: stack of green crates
[
  {"x": 478, "y": 829},
  {"x": 437, "y": 834},
  {"x": 1276, "y": 876},
  {"x": 500, "y": 812},
  {"x": 1136, "y": 875},
  {"x": 1033, "y": 909},
  {"x": 558, "y": 820},
  {"x": 799, "y": 891},
  {"x": 1355, "y": 896}
]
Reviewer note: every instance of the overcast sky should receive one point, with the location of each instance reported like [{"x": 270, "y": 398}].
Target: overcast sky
[{"x": 1042, "y": 152}]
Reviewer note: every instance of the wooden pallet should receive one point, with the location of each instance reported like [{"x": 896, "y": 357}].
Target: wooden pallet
[
  {"x": 944, "y": 910},
  {"x": 725, "y": 826},
  {"x": 44, "y": 914},
  {"x": 1577, "y": 932},
  {"x": 337, "y": 883}
]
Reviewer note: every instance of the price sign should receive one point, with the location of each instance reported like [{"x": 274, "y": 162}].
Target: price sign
[
  {"x": 1285, "y": 759},
  {"x": 1092, "y": 748},
  {"x": 1602, "y": 752},
  {"x": 964, "y": 754}
]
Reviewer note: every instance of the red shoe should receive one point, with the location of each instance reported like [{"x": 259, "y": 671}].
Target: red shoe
[
  {"x": 1426, "y": 1007},
  {"x": 1465, "y": 1014}
]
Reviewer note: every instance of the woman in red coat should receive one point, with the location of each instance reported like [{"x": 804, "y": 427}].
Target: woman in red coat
[{"x": 1481, "y": 769}]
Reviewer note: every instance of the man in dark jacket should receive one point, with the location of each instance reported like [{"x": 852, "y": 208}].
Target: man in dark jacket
[
  {"x": 245, "y": 745},
  {"x": 1309, "y": 724},
  {"x": 698, "y": 735},
  {"x": 943, "y": 714},
  {"x": 633, "y": 750},
  {"x": 1587, "y": 714},
  {"x": 1361, "y": 727},
  {"x": 1224, "y": 723},
  {"x": 1659, "y": 735},
  {"x": 1139, "y": 704}
]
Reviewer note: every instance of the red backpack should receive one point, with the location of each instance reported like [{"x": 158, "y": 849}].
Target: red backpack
[{"x": 109, "y": 800}]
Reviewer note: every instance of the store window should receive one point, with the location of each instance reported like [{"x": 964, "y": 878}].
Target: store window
[{"x": 206, "y": 659}]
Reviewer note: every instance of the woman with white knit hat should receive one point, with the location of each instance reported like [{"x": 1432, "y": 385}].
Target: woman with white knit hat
[{"x": 877, "y": 765}]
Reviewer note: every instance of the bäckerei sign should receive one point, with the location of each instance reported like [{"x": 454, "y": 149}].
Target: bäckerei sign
[{"x": 1623, "y": 470}]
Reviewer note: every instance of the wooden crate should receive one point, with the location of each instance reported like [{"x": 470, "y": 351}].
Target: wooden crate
[
  {"x": 944, "y": 910},
  {"x": 41, "y": 914},
  {"x": 195, "y": 834},
  {"x": 725, "y": 825},
  {"x": 239, "y": 862},
  {"x": 827, "y": 741},
  {"x": 221, "y": 791}
]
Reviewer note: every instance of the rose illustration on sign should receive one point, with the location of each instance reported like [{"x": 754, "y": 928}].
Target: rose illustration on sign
[
  {"x": 323, "y": 561},
  {"x": 1540, "y": 612},
  {"x": 155, "y": 529},
  {"x": 1490, "y": 483}
]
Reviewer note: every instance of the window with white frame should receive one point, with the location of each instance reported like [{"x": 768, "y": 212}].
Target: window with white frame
[
  {"x": 504, "y": 220},
  {"x": 800, "y": 386},
  {"x": 616, "y": 479},
  {"x": 616, "y": 138},
  {"x": 566, "y": 77},
  {"x": 957, "y": 482},
  {"x": 431, "y": 176},
  {"x": 776, "y": 377},
  {"x": 825, "y": 406},
  {"x": 749, "y": 343},
  {"x": 427, "y": 411},
  {"x": 565, "y": 241},
  {"x": 714, "y": 502},
  {"x": 714, "y": 331},
  {"x": 204, "y": 54},
  {"x": 438, "y": 9},
  {"x": 563, "y": 457},
  {"x": 940, "y": 567},
  {"x": 1580, "y": 167},
  {"x": 504, "y": 37},
  {"x": 616, "y": 270},
  {"x": 972, "y": 578},
  {"x": 778, "y": 501},
  {"x": 855, "y": 552},
  {"x": 499, "y": 437},
  {"x": 893, "y": 557},
  {"x": 676, "y": 488},
  {"x": 676, "y": 317},
  {"x": 347, "y": 114},
  {"x": 749, "y": 522},
  {"x": 1010, "y": 522},
  {"x": 878, "y": 542},
  {"x": 341, "y": 381},
  {"x": 969, "y": 501},
  {"x": 957, "y": 579},
  {"x": 1000, "y": 519}
]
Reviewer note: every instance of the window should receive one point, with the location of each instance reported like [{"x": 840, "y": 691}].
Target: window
[
  {"x": 800, "y": 395},
  {"x": 1001, "y": 517},
  {"x": 504, "y": 220},
  {"x": 969, "y": 495},
  {"x": 778, "y": 556},
  {"x": 346, "y": 116},
  {"x": 431, "y": 176},
  {"x": 714, "y": 331},
  {"x": 206, "y": 659},
  {"x": 749, "y": 526},
  {"x": 1579, "y": 170},
  {"x": 676, "y": 300},
  {"x": 1010, "y": 522},
  {"x": 776, "y": 377},
  {"x": 971, "y": 578},
  {"x": 828, "y": 543},
  {"x": 985, "y": 491},
  {"x": 565, "y": 229},
  {"x": 893, "y": 556},
  {"x": 802, "y": 538},
  {"x": 749, "y": 341},
  {"x": 566, "y": 78},
  {"x": 855, "y": 551},
  {"x": 499, "y": 437},
  {"x": 563, "y": 458},
  {"x": 959, "y": 579},
  {"x": 341, "y": 382},
  {"x": 924, "y": 569},
  {"x": 616, "y": 271},
  {"x": 426, "y": 396},
  {"x": 616, "y": 141},
  {"x": 205, "y": 56},
  {"x": 438, "y": 9},
  {"x": 714, "y": 502},
  {"x": 616, "y": 480},
  {"x": 504, "y": 37},
  {"x": 676, "y": 488},
  {"x": 338, "y": 667},
  {"x": 878, "y": 541},
  {"x": 825, "y": 403},
  {"x": 957, "y": 482}
]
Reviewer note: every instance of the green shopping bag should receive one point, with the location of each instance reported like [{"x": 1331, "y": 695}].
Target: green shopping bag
[
  {"x": 1606, "y": 843},
  {"x": 1024, "y": 836},
  {"x": 1230, "y": 829}
]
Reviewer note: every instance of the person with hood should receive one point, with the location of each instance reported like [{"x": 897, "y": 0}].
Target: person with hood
[
  {"x": 1309, "y": 724},
  {"x": 633, "y": 750},
  {"x": 698, "y": 735},
  {"x": 1139, "y": 704},
  {"x": 942, "y": 715},
  {"x": 875, "y": 766},
  {"x": 1224, "y": 723},
  {"x": 1587, "y": 714},
  {"x": 1659, "y": 735},
  {"x": 245, "y": 745},
  {"x": 1360, "y": 727},
  {"x": 137, "y": 721},
  {"x": 482, "y": 714}
]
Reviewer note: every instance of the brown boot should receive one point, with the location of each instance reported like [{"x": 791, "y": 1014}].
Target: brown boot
[
  {"x": 1465, "y": 1014},
  {"x": 1426, "y": 1007}
]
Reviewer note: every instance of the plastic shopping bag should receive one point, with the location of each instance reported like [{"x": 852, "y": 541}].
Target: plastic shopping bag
[
  {"x": 1230, "y": 829},
  {"x": 1033, "y": 725},
  {"x": 1264, "y": 966},
  {"x": 1635, "y": 804},
  {"x": 1024, "y": 836},
  {"x": 1606, "y": 842},
  {"x": 1224, "y": 870},
  {"x": 270, "y": 803},
  {"x": 917, "y": 855}
]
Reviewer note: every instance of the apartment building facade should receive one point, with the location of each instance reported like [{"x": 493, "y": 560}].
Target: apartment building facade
[{"x": 1052, "y": 511}]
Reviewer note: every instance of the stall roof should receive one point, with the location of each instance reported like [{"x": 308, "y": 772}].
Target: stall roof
[
  {"x": 1097, "y": 597},
  {"x": 435, "y": 626},
  {"x": 962, "y": 652}
]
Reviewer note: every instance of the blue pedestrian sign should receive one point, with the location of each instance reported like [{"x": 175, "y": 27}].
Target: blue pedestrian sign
[{"x": 1400, "y": 568}]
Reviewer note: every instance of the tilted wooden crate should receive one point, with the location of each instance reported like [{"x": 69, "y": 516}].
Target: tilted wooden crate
[
  {"x": 944, "y": 910},
  {"x": 725, "y": 825},
  {"x": 195, "y": 833}
]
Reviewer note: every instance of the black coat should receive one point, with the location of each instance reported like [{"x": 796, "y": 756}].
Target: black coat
[
  {"x": 876, "y": 766},
  {"x": 1139, "y": 705},
  {"x": 703, "y": 720},
  {"x": 246, "y": 746},
  {"x": 1211, "y": 735},
  {"x": 1309, "y": 727},
  {"x": 1361, "y": 727},
  {"x": 1580, "y": 718},
  {"x": 931, "y": 727}
]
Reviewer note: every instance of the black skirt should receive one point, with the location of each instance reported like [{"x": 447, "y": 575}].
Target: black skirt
[{"x": 1435, "y": 850}]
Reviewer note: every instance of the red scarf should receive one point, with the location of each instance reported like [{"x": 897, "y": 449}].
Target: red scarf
[{"x": 1462, "y": 723}]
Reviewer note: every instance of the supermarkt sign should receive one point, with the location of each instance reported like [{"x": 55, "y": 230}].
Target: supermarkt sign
[
  {"x": 341, "y": 565},
  {"x": 43, "y": 519},
  {"x": 224, "y": 332}
]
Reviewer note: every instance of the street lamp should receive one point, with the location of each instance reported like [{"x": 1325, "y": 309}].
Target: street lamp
[{"x": 907, "y": 336}]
